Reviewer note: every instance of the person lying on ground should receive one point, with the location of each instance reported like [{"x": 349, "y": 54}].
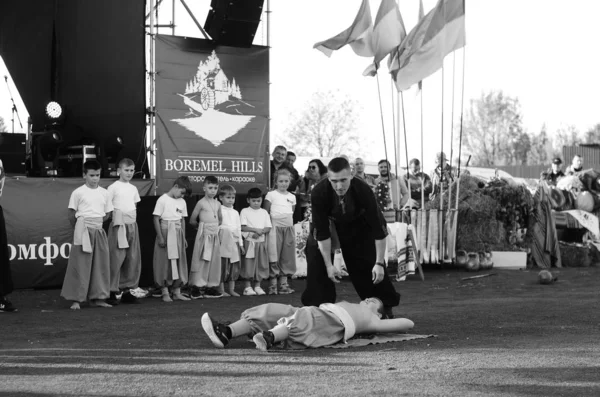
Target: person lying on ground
[{"x": 305, "y": 327}]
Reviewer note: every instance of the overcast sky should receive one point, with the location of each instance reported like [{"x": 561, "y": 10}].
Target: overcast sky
[{"x": 543, "y": 52}]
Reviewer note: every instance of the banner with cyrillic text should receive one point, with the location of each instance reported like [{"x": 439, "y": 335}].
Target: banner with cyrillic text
[
  {"x": 212, "y": 112},
  {"x": 38, "y": 228}
]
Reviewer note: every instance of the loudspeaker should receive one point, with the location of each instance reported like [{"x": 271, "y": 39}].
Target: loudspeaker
[
  {"x": 13, "y": 152},
  {"x": 233, "y": 22}
]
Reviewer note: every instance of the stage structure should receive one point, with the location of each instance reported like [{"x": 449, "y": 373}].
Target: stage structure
[
  {"x": 209, "y": 103},
  {"x": 83, "y": 70}
]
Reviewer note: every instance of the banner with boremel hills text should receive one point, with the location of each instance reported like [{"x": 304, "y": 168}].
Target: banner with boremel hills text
[{"x": 212, "y": 107}]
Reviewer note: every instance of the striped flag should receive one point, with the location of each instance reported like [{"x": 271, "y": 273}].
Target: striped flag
[
  {"x": 358, "y": 35},
  {"x": 388, "y": 33},
  {"x": 421, "y": 16},
  {"x": 422, "y": 53}
]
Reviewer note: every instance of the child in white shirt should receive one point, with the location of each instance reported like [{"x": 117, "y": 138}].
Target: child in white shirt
[
  {"x": 88, "y": 268},
  {"x": 256, "y": 224},
  {"x": 230, "y": 236},
  {"x": 170, "y": 262},
  {"x": 123, "y": 236},
  {"x": 282, "y": 240}
]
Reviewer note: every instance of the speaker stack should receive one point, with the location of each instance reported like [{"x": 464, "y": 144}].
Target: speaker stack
[
  {"x": 13, "y": 152},
  {"x": 233, "y": 22}
]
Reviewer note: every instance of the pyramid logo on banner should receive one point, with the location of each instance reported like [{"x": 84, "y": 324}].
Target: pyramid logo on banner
[{"x": 216, "y": 109}]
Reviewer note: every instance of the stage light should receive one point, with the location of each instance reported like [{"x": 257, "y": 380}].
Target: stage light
[
  {"x": 53, "y": 110},
  {"x": 45, "y": 147}
]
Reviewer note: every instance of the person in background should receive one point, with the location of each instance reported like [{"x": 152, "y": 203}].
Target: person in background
[
  {"x": 419, "y": 182},
  {"x": 359, "y": 172},
  {"x": 278, "y": 161},
  {"x": 576, "y": 165},
  {"x": 397, "y": 187},
  {"x": 316, "y": 172},
  {"x": 552, "y": 175},
  {"x": 441, "y": 176},
  {"x": 6, "y": 283},
  {"x": 290, "y": 159}
]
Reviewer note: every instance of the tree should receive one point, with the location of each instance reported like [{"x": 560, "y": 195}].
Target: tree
[
  {"x": 493, "y": 131},
  {"x": 592, "y": 135},
  {"x": 325, "y": 128},
  {"x": 2, "y": 125},
  {"x": 565, "y": 136},
  {"x": 541, "y": 148}
]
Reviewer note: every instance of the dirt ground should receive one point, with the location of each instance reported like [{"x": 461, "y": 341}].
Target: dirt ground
[{"x": 503, "y": 335}]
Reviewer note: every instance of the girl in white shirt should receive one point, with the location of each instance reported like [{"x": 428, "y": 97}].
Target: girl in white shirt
[{"x": 282, "y": 239}]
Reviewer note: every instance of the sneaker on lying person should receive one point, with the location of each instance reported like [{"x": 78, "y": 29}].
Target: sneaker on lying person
[{"x": 218, "y": 333}]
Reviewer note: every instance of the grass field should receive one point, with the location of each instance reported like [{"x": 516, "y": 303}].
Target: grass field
[{"x": 504, "y": 335}]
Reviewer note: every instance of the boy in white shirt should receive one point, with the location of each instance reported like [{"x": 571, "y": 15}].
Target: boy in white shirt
[
  {"x": 123, "y": 236},
  {"x": 230, "y": 237},
  {"x": 256, "y": 224},
  {"x": 282, "y": 240},
  {"x": 169, "y": 261},
  {"x": 88, "y": 269}
]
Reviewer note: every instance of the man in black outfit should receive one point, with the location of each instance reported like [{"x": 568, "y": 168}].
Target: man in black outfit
[{"x": 358, "y": 227}]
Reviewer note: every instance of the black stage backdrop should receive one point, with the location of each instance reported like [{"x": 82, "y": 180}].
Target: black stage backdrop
[
  {"x": 212, "y": 105},
  {"x": 88, "y": 56}
]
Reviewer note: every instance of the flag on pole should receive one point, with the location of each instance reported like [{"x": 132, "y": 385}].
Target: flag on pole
[
  {"x": 421, "y": 16},
  {"x": 388, "y": 33},
  {"x": 358, "y": 35},
  {"x": 422, "y": 53}
]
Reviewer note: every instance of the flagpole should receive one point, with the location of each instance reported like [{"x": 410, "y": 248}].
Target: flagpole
[
  {"x": 382, "y": 123},
  {"x": 396, "y": 153},
  {"x": 440, "y": 159},
  {"x": 462, "y": 101},
  {"x": 450, "y": 215},
  {"x": 422, "y": 164},
  {"x": 405, "y": 139}
]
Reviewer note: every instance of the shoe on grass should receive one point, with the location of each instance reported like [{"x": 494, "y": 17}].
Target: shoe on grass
[
  {"x": 212, "y": 293},
  {"x": 248, "y": 291},
  {"x": 259, "y": 291},
  {"x": 285, "y": 290},
  {"x": 216, "y": 331},
  {"x": 264, "y": 340},
  {"x": 112, "y": 299},
  {"x": 129, "y": 298},
  {"x": 6, "y": 306},
  {"x": 273, "y": 290},
  {"x": 197, "y": 293}
]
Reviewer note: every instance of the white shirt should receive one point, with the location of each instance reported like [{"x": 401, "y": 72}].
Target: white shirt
[
  {"x": 124, "y": 196},
  {"x": 90, "y": 203},
  {"x": 281, "y": 204},
  {"x": 231, "y": 221},
  {"x": 170, "y": 209},
  {"x": 256, "y": 219}
]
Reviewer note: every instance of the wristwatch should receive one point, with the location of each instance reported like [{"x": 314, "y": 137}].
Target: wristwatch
[{"x": 380, "y": 264}]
